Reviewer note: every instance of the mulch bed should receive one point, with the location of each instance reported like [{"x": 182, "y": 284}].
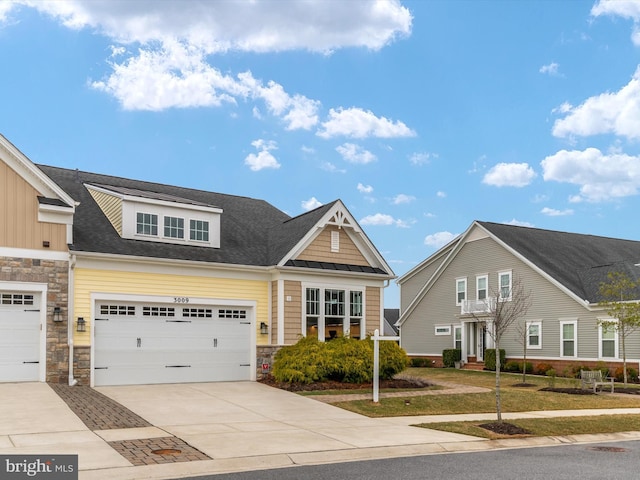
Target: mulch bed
[
  {"x": 334, "y": 385},
  {"x": 503, "y": 428}
]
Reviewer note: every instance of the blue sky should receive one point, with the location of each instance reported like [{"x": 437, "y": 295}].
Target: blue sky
[{"x": 421, "y": 116}]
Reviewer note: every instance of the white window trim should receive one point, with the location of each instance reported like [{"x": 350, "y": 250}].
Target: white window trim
[
  {"x": 457, "y": 328},
  {"x": 346, "y": 325},
  {"x": 528, "y": 325},
  {"x": 442, "y": 330},
  {"x": 500, "y": 274},
  {"x": 616, "y": 351},
  {"x": 563, "y": 322},
  {"x": 466, "y": 294},
  {"x": 486, "y": 286}
]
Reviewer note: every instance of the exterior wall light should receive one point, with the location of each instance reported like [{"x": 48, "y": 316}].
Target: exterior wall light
[
  {"x": 264, "y": 328},
  {"x": 81, "y": 325},
  {"x": 57, "y": 314}
]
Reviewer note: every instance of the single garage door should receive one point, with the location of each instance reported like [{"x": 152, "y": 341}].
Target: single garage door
[
  {"x": 156, "y": 343},
  {"x": 19, "y": 337}
]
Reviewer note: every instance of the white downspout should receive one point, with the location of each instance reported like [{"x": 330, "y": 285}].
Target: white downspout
[{"x": 70, "y": 310}]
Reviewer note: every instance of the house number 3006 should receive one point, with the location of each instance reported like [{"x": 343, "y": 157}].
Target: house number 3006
[{"x": 180, "y": 299}]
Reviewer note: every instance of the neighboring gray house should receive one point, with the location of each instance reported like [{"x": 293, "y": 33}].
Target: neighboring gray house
[{"x": 442, "y": 298}]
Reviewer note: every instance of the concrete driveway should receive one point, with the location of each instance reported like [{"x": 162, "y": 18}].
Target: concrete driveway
[{"x": 246, "y": 419}]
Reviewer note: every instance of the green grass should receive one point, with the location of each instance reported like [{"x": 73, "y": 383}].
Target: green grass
[
  {"x": 542, "y": 427},
  {"x": 513, "y": 399}
]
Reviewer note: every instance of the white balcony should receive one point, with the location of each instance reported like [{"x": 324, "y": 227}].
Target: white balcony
[{"x": 478, "y": 307}]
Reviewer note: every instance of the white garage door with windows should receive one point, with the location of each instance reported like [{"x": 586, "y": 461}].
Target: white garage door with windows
[
  {"x": 147, "y": 343},
  {"x": 20, "y": 337}
]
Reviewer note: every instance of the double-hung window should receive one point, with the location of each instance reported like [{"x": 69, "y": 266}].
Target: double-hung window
[
  {"x": 534, "y": 334},
  {"x": 355, "y": 314},
  {"x": 568, "y": 338},
  {"x": 457, "y": 337},
  {"x": 461, "y": 290},
  {"x": 504, "y": 284},
  {"x": 146, "y": 224},
  {"x": 608, "y": 344},
  {"x": 481, "y": 287}
]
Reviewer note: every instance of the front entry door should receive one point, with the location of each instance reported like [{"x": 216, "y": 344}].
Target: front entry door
[{"x": 481, "y": 335}]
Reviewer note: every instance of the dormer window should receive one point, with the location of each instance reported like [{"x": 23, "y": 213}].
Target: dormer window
[
  {"x": 173, "y": 227},
  {"x": 147, "y": 224},
  {"x": 199, "y": 230},
  {"x": 158, "y": 217}
]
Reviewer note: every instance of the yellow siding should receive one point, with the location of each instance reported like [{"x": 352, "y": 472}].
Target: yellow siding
[
  {"x": 274, "y": 312},
  {"x": 111, "y": 206},
  {"x": 19, "y": 225},
  {"x": 373, "y": 309},
  {"x": 320, "y": 249},
  {"x": 88, "y": 281}
]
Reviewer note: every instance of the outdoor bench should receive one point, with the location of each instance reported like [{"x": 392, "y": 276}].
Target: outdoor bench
[{"x": 594, "y": 379}]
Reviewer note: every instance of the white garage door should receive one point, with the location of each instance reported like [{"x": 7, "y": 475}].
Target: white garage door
[
  {"x": 154, "y": 343},
  {"x": 19, "y": 337}
]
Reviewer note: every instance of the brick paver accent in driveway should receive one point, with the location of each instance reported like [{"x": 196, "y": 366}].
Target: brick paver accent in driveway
[
  {"x": 97, "y": 411},
  {"x": 151, "y": 451}
]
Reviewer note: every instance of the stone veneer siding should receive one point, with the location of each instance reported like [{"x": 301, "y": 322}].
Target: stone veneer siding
[
  {"x": 265, "y": 354},
  {"x": 82, "y": 364},
  {"x": 55, "y": 274}
]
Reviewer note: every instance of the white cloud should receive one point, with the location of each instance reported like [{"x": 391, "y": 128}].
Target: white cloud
[
  {"x": 402, "y": 198},
  {"x": 355, "y": 153},
  {"x": 551, "y": 69},
  {"x": 171, "y": 43},
  {"x": 552, "y": 212},
  {"x": 439, "y": 239},
  {"x": 441, "y": 194},
  {"x": 382, "y": 219},
  {"x": 422, "y": 158},
  {"x": 364, "y": 188},
  {"x": 265, "y": 26},
  {"x": 358, "y": 123},
  {"x": 308, "y": 150},
  {"x": 263, "y": 159},
  {"x": 509, "y": 175},
  {"x": 330, "y": 167},
  {"x": 626, "y": 9},
  {"x": 616, "y": 113},
  {"x": 600, "y": 176},
  {"x": 310, "y": 204}
]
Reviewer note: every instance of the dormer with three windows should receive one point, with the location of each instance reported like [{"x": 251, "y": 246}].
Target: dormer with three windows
[{"x": 157, "y": 217}]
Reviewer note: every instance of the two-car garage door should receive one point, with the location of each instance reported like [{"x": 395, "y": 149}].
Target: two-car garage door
[{"x": 146, "y": 343}]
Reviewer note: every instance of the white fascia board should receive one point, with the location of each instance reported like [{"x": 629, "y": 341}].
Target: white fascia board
[
  {"x": 109, "y": 261},
  {"x": 19, "y": 162},
  {"x": 369, "y": 251},
  {"x": 153, "y": 201},
  {"x": 37, "y": 254},
  {"x": 442, "y": 252},
  {"x": 329, "y": 276}
]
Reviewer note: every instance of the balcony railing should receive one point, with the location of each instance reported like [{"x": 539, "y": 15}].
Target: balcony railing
[{"x": 470, "y": 307}]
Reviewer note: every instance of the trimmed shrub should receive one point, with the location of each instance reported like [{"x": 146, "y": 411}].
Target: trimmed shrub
[
  {"x": 543, "y": 368},
  {"x": 632, "y": 374},
  {"x": 450, "y": 356},
  {"x": 420, "y": 362},
  {"x": 393, "y": 359},
  {"x": 512, "y": 367},
  {"x": 342, "y": 359},
  {"x": 490, "y": 359}
]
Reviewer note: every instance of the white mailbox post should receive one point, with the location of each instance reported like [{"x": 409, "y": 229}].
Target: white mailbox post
[{"x": 376, "y": 362}]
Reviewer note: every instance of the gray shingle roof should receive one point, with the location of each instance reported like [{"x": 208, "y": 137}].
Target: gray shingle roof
[
  {"x": 579, "y": 262},
  {"x": 244, "y": 227}
]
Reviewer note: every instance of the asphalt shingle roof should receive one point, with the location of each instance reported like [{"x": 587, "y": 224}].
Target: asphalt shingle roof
[{"x": 579, "y": 262}]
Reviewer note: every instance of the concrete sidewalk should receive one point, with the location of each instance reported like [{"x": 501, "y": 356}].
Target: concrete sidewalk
[{"x": 230, "y": 427}]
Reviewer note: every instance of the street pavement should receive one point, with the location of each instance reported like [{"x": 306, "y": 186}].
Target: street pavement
[{"x": 211, "y": 428}]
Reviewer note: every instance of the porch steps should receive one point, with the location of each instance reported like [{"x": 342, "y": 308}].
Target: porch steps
[{"x": 473, "y": 366}]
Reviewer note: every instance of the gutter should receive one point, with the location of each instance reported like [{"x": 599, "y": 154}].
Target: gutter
[{"x": 70, "y": 310}]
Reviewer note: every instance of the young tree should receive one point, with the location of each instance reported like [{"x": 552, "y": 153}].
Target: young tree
[
  {"x": 503, "y": 308},
  {"x": 620, "y": 300},
  {"x": 523, "y": 331}
]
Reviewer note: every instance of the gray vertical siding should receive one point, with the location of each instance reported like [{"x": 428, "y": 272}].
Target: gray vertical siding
[{"x": 549, "y": 304}]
